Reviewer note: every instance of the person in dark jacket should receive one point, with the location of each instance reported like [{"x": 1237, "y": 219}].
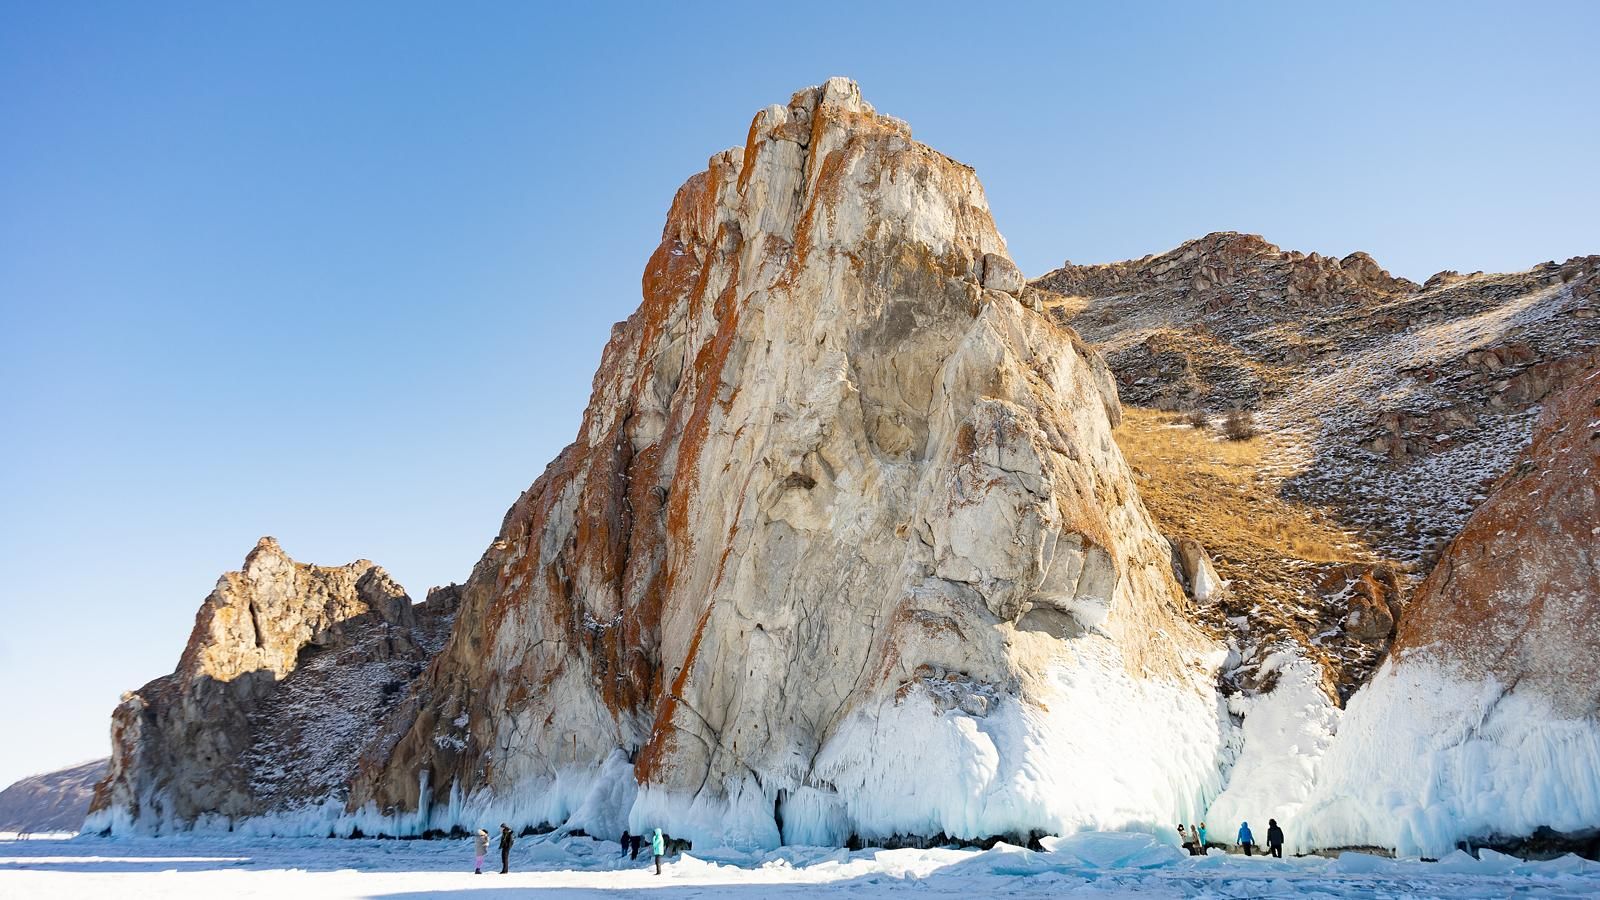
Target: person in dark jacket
[
  {"x": 638, "y": 844},
  {"x": 1274, "y": 838},
  {"x": 506, "y": 840},
  {"x": 1246, "y": 839},
  {"x": 627, "y": 841}
]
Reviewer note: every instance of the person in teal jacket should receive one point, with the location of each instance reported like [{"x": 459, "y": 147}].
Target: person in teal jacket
[
  {"x": 1246, "y": 839},
  {"x": 658, "y": 847}
]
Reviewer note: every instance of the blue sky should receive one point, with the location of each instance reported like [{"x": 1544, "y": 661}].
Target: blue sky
[{"x": 341, "y": 273}]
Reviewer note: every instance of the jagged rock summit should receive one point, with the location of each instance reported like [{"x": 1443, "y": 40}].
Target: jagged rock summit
[
  {"x": 288, "y": 671},
  {"x": 843, "y": 548}
]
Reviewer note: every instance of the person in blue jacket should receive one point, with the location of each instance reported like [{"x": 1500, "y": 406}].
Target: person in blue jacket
[
  {"x": 1246, "y": 839},
  {"x": 658, "y": 847}
]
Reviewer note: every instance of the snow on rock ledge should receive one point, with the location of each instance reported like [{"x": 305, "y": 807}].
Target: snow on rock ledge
[
  {"x": 1485, "y": 720},
  {"x": 843, "y": 547}
]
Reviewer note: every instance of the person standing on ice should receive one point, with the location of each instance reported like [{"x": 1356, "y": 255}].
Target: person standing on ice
[
  {"x": 1246, "y": 839},
  {"x": 1274, "y": 838},
  {"x": 1183, "y": 839},
  {"x": 506, "y": 840},
  {"x": 658, "y": 847},
  {"x": 1200, "y": 837},
  {"x": 480, "y": 849}
]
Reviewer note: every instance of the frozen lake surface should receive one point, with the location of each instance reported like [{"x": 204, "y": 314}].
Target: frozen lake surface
[{"x": 1089, "y": 865}]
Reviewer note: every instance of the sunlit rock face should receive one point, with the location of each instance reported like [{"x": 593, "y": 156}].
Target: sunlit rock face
[
  {"x": 286, "y": 676},
  {"x": 843, "y": 547},
  {"x": 1484, "y": 723}
]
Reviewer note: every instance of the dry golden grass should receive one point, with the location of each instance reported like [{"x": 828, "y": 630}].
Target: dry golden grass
[
  {"x": 1225, "y": 494},
  {"x": 1198, "y": 484}
]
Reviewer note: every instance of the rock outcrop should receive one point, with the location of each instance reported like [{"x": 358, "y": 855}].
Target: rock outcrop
[
  {"x": 1484, "y": 723},
  {"x": 844, "y": 547},
  {"x": 287, "y": 673},
  {"x": 53, "y": 802}
]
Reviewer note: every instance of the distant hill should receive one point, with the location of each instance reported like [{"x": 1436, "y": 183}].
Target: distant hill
[{"x": 55, "y": 801}]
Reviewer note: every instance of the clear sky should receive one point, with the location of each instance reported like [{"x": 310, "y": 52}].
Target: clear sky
[{"x": 341, "y": 272}]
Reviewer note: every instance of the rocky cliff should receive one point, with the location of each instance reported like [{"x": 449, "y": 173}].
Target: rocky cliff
[
  {"x": 287, "y": 673},
  {"x": 844, "y": 546},
  {"x": 1484, "y": 723},
  {"x": 53, "y": 802}
]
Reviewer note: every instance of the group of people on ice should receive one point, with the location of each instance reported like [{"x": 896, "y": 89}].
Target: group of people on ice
[
  {"x": 480, "y": 848},
  {"x": 1194, "y": 839},
  {"x": 631, "y": 844}
]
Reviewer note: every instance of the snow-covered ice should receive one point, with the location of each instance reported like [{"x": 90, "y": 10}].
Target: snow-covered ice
[
  {"x": 1088, "y": 864},
  {"x": 1427, "y": 756}
]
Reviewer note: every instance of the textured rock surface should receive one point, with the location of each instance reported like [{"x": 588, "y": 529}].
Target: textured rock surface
[
  {"x": 53, "y": 802},
  {"x": 1393, "y": 404},
  {"x": 286, "y": 674},
  {"x": 1485, "y": 720},
  {"x": 844, "y": 546}
]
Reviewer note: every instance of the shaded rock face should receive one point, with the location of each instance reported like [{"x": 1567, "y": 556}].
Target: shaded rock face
[
  {"x": 53, "y": 802},
  {"x": 288, "y": 671},
  {"x": 844, "y": 521},
  {"x": 1485, "y": 721}
]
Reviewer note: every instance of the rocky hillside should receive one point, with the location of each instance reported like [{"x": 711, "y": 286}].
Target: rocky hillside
[
  {"x": 1392, "y": 403},
  {"x": 53, "y": 802},
  {"x": 285, "y": 678}
]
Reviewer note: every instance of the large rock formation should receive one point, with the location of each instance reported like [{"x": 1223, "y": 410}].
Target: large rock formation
[
  {"x": 1484, "y": 723},
  {"x": 844, "y": 546},
  {"x": 287, "y": 673},
  {"x": 53, "y": 802}
]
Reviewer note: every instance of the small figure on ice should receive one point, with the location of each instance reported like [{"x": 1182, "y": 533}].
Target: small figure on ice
[
  {"x": 1200, "y": 837},
  {"x": 658, "y": 846},
  {"x": 1246, "y": 839},
  {"x": 1274, "y": 838},
  {"x": 1184, "y": 839},
  {"x": 506, "y": 840},
  {"x": 480, "y": 849}
]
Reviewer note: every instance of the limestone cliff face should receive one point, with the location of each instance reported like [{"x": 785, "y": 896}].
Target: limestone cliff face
[
  {"x": 1485, "y": 721},
  {"x": 843, "y": 547},
  {"x": 223, "y": 737}
]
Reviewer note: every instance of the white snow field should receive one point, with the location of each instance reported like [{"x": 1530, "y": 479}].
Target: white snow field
[{"x": 1094, "y": 864}]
